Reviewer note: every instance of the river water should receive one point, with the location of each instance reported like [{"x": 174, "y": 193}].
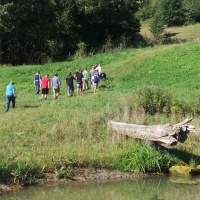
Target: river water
[{"x": 162, "y": 188}]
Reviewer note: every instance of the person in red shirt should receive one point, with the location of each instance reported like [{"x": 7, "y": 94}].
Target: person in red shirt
[{"x": 45, "y": 84}]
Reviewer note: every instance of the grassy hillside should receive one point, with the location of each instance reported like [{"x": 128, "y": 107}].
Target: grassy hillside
[
  {"x": 72, "y": 131},
  {"x": 189, "y": 33}
]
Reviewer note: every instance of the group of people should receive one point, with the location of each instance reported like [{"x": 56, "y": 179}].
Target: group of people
[
  {"x": 43, "y": 84},
  {"x": 82, "y": 78}
]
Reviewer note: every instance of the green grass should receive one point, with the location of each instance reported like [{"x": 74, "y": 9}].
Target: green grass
[{"x": 50, "y": 134}]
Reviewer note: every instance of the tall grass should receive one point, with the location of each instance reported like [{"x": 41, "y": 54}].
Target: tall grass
[
  {"x": 40, "y": 136},
  {"x": 146, "y": 159}
]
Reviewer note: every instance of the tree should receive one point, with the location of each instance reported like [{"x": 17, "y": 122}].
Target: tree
[
  {"x": 191, "y": 11},
  {"x": 146, "y": 9},
  {"x": 68, "y": 23},
  {"x": 114, "y": 18},
  {"x": 157, "y": 26},
  {"x": 34, "y": 30},
  {"x": 171, "y": 11},
  {"x": 24, "y": 30},
  {"x": 92, "y": 21}
]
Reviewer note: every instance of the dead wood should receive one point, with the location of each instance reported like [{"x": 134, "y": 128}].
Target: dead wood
[{"x": 165, "y": 134}]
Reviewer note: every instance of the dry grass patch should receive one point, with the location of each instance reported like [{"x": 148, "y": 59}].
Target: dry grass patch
[{"x": 189, "y": 33}]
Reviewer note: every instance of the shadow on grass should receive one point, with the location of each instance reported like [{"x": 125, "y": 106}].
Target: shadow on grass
[
  {"x": 171, "y": 34},
  {"x": 30, "y": 106},
  {"x": 185, "y": 156}
]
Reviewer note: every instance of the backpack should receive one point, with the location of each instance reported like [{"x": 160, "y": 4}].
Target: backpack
[{"x": 96, "y": 79}]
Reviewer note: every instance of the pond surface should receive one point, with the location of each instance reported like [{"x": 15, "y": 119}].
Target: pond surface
[{"x": 162, "y": 188}]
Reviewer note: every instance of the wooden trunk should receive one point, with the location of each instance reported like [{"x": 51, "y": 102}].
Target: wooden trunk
[{"x": 165, "y": 134}]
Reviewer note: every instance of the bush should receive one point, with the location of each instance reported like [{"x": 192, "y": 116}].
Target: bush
[
  {"x": 154, "y": 100},
  {"x": 82, "y": 51},
  {"x": 157, "y": 27}
]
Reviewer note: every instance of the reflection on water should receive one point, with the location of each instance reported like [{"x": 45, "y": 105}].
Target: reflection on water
[{"x": 143, "y": 189}]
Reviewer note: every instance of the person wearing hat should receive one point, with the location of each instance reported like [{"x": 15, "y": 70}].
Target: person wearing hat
[{"x": 10, "y": 95}]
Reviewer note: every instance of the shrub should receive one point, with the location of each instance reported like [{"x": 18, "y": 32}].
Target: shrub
[
  {"x": 154, "y": 100},
  {"x": 81, "y": 52},
  {"x": 157, "y": 27}
]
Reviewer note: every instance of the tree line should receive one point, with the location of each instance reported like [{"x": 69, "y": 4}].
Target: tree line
[
  {"x": 168, "y": 13},
  {"x": 34, "y": 31},
  {"x": 37, "y": 31}
]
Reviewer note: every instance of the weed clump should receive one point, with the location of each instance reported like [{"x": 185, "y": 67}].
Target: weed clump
[
  {"x": 145, "y": 159},
  {"x": 153, "y": 100}
]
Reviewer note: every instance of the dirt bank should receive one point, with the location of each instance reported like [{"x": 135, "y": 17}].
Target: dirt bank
[{"x": 80, "y": 175}]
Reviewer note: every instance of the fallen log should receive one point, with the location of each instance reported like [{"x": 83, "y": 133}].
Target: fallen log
[{"x": 164, "y": 134}]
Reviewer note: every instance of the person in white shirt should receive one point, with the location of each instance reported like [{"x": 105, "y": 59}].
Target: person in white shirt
[{"x": 99, "y": 69}]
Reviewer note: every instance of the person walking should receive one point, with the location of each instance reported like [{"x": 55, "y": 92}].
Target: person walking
[
  {"x": 92, "y": 71},
  {"x": 70, "y": 84},
  {"x": 95, "y": 81},
  {"x": 79, "y": 80},
  {"x": 85, "y": 79},
  {"x": 56, "y": 84},
  {"x": 10, "y": 95},
  {"x": 99, "y": 69},
  {"x": 37, "y": 80},
  {"x": 45, "y": 84}
]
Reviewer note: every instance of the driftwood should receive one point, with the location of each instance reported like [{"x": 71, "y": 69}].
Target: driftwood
[{"x": 158, "y": 134}]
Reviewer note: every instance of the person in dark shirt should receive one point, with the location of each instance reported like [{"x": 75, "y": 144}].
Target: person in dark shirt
[
  {"x": 79, "y": 80},
  {"x": 70, "y": 84}
]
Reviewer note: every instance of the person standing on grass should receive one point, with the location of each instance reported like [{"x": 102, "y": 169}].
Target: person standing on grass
[
  {"x": 56, "y": 84},
  {"x": 79, "y": 80},
  {"x": 10, "y": 95},
  {"x": 99, "y": 69},
  {"x": 70, "y": 84},
  {"x": 45, "y": 84},
  {"x": 37, "y": 80},
  {"x": 85, "y": 79},
  {"x": 95, "y": 81},
  {"x": 92, "y": 71}
]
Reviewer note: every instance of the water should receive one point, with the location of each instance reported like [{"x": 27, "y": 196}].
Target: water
[{"x": 161, "y": 188}]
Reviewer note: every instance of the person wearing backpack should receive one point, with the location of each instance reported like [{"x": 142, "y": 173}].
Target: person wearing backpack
[{"x": 95, "y": 81}]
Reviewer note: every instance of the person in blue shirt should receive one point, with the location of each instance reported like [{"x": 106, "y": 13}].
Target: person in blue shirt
[
  {"x": 10, "y": 95},
  {"x": 37, "y": 82},
  {"x": 56, "y": 84}
]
